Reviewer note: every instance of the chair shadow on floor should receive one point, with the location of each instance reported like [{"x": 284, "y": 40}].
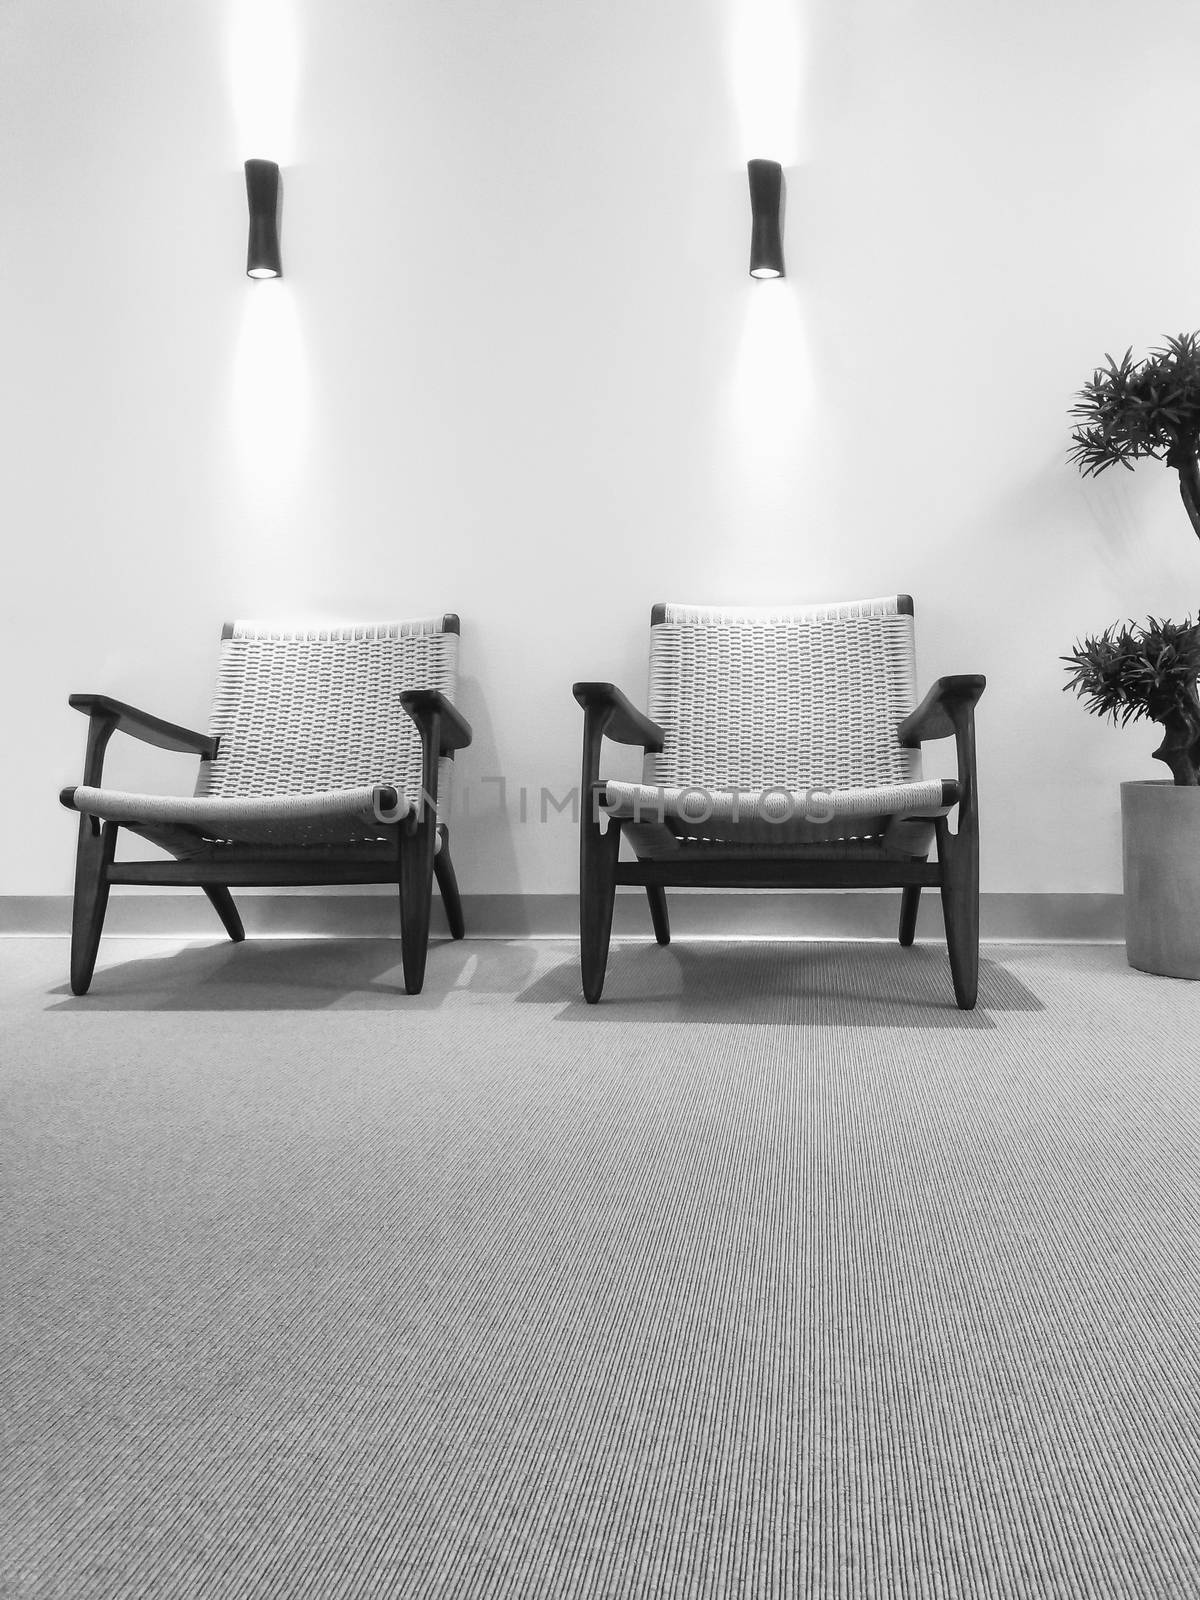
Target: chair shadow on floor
[
  {"x": 272, "y": 975},
  {"x": 809, "y": 984},
  {"x": 774, "y": 982}
]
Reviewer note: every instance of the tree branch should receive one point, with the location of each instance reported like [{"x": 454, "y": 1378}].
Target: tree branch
[
  {"x": 1189, "y": 485},
  {"x": 1180, "y": 749}
]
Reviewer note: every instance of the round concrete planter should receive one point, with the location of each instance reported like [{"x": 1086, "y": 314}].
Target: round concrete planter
[{"x": 1160, "y": 831}]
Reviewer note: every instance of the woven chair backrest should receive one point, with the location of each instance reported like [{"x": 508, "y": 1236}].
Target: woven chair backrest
[
  {"x": 303, "y": 709},
  {"x": 804, "y": 697}
]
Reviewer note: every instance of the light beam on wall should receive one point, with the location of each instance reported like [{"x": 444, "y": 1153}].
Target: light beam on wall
[
  {"x": 263, "y": 76},
  {"x": 766, "y": 58},
  {"x": 270, "y": 399},
  {"x": 771, "y": 415},
  {"x": 269, "y": 415},
  {"x": 772, "y": 399}
]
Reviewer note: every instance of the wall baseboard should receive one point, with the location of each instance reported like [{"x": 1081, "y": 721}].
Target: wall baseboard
[{"x": 813, "y": 914}]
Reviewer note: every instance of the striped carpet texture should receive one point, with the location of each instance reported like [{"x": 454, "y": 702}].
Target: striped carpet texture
[{"x": 773, "y": 1276}]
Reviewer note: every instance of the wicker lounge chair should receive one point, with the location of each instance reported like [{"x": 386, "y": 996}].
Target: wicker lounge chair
[
  {"x": 328, "y": 754},
  {"x": 782, "y": 750}
]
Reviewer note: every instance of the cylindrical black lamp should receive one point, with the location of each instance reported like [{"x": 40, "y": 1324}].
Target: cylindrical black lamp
[
  {"x": 263, "y": 194},
  {"x": 766, "y": 196}
]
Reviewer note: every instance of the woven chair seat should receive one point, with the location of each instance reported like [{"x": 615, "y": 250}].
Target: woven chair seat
[
  {"x": 899, "y": 815},
  {"x": 331, "y": 816}
]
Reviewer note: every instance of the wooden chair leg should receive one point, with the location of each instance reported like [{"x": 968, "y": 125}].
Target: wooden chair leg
[
  {"x": 657, "y": 897},
  {"x": 959, "y": 857},
  {"x": 597, "y": 893},
  {"x": 910, "y": 901},
  {"x": 443, "y": 869},
  {"x": 93, "y": 857},
  {"x": 222, "y": 903},
  {"x": 416, "y": 895}
]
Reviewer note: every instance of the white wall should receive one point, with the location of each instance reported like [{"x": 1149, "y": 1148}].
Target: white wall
[{"x": 516, "y": 367}]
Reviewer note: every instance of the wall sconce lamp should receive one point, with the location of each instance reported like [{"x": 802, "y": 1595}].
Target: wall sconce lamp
[
  {"x": 263, "y": 195},
  {"x": 766, "y": 196}
]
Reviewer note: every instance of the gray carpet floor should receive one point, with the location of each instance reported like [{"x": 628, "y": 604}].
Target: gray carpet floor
[{"x": 774, "y": 1275}]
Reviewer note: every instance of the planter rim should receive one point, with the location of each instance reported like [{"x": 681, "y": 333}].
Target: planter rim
[{"x": 1159, "y": 783}]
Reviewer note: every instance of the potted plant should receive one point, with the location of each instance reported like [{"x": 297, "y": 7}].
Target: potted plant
[{"x": 1132, "y": 410}]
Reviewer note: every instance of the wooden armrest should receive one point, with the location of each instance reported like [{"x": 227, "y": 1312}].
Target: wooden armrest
[
  {"x": 454, "y": 729},
  {"x": 624, "y": 723},
  {"x": 151, "y": 730},
  {"x": 949, "y": 703}
]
